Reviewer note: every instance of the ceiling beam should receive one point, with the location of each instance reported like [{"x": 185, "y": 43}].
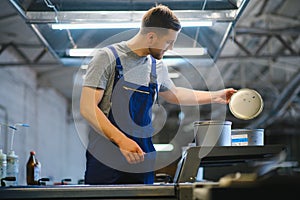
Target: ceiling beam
[
  {"x": 123, "y": 16},
  {"x": 292, "y": 30},
  {"x": 240, "y": 32},
  {"x": 25, "y": 60}
]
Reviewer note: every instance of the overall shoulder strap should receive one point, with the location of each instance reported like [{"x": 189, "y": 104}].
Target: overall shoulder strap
[
  {"x": 105, "y": 104},
  {"x": 119, "y": 67},
  {"x": 153, "y": 76}
]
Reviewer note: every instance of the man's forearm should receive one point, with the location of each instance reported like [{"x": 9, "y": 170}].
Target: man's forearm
[{"x": 185, "y": 96}]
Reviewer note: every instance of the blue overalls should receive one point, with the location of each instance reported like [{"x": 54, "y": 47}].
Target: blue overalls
[{"x": 131, "y": 112}]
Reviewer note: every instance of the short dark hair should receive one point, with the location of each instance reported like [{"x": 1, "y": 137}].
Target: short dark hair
[{"x": 160, "y": 16}]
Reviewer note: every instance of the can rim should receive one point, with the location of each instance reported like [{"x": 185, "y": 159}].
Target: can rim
[
  {"x": 211, "y": 122},
  {"x": 247, "y": 129}
]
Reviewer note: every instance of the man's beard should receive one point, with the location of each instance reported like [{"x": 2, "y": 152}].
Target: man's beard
[{"x": 154, "y": 54}]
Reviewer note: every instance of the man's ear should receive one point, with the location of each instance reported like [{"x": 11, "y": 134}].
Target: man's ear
[{"x": 151, "y": 38}]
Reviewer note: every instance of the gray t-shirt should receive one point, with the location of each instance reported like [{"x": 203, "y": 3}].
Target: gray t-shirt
[{"x": 101, "y": 70}]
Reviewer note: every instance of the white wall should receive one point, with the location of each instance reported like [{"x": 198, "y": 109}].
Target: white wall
[{"x": 52, "y": 133}]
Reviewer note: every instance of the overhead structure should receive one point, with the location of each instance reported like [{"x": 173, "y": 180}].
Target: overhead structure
[{"x": 208, "y": 23}]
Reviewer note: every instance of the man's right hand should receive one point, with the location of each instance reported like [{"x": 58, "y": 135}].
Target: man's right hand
[{"x": 132, "y": 151}]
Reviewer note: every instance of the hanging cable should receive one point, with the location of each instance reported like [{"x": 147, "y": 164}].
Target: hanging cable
[
  {"x": 50, "y": 5},
  {"x": 196, "y": 37},
  {"x": 71, "y": 39}
]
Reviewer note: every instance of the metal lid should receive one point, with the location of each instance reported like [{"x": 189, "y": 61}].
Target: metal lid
[
  {"x": 246, "y": 104},
  {"x": 212, "y": 122}
]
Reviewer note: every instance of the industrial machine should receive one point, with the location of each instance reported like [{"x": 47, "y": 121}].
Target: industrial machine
[{"x": 188, "y": 183}]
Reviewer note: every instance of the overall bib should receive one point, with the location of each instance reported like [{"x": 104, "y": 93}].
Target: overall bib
[{"x": 131, "y": 112}]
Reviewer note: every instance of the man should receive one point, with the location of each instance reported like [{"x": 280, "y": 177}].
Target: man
[{"x": 122, "y": 83}]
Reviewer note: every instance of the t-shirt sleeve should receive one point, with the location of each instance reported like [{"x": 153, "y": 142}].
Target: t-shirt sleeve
[{"x": 99, "y": 70}]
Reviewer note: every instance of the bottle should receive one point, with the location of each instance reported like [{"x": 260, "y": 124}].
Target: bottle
[
  {"x": 12, "y": 167},
  {"x": 33, "y": 170},
  {"x": 3, "y": 164}
]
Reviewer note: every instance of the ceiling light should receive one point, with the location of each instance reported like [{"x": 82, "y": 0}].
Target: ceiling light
[
  {"x": 196, "y": 23},
  {"x": 84, "y": 67},
  {"x": 174, "y": 75},
  {"x": 199, "y": 51},
  {"x": 96, "y": 25},
  {"x": 61, "y": 26},
  {"x": 80, "y": 52},
  {"x": 163, "y": 147}
]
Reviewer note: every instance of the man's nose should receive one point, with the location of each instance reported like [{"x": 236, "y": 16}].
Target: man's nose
[{"x": 170, "y": 47}]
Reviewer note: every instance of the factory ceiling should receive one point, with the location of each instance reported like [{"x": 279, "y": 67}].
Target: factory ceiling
[
  {"x": 42, "y": 16},
  {"x": 253, "y": 43}
]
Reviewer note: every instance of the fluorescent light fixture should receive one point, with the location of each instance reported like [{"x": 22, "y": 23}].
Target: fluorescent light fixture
[
  {"x": 84, "y": 67},
  {"x": 163, "y": 147},
  {"x": 196, "y": 23},
  {"x": 199, "y": 51},
  {"x": 97, "y": 25},
  {"x": 174, "y": 75},
  {"x": 113, "y": 25},
  {"x": 81, "y": 52}
]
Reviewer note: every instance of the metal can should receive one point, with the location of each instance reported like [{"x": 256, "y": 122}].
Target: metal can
[
  {"x": 212, "y": 133},
  {"x": 247, "y": 137}
]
